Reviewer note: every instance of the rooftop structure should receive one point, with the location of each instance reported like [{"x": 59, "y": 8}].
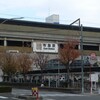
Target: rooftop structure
[{"x": 53, "y": 19}]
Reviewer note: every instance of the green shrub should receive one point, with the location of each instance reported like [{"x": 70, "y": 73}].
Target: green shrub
[{"x": 4, "y": 89}]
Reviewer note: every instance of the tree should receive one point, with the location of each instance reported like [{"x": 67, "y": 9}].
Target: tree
[
  {"x": 8, "y": 64},
  {"x": 68, "y": 53},
  {"x": 41, "y": 61},
  {"x": 24, "y": 63}
]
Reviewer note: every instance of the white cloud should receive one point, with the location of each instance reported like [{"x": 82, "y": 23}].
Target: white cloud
[{"x": 9, "y": 4}]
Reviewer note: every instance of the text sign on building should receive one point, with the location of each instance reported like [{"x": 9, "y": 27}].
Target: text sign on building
[
  {"x": 49, "y": 47},
  {"x": 94, "y": 77}
]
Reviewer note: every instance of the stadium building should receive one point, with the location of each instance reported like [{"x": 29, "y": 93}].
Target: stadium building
[
  {"x": 33, "y": 37},
  {"x": 30, "y": 37}
]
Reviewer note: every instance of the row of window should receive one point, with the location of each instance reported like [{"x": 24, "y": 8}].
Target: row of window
[
  {"x": 49, "y": 46},
  {"x": 56, "y": 64},
  {"x": 16, "y": 43}
]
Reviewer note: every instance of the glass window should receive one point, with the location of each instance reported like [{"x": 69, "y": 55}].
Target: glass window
[
  {"x": 54, "y": 64},
  {"x": 90, "y": 47},
  {"x": 14, "y": 43},
  {"x": 1, "y": 42}
]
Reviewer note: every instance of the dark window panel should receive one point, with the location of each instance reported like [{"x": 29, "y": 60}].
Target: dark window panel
[
  {"x": 27, "y": 44},
  {"x": 14, "y": 43},
  {"x": 1, "y": 42},
  {"x": 76, "y": 47},
  {"x": 61, "y": 46},
  {"x": 18, "y": 43},
  {"x": 90, "y": 47}
]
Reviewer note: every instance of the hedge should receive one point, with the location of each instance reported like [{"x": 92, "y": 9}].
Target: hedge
[{"x": 4, "y": 89}]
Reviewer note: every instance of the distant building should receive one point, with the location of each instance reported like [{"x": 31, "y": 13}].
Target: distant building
[{"x": 53, "y": 19}]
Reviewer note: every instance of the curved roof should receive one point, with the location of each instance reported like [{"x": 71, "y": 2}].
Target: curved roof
[{"x": 46, "y": 25}]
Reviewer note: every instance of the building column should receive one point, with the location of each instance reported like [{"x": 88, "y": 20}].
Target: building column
[
  {"x": 5, "y": 41},
  {"x": 79, "y": 46},
  {"x": 33, "y": 45},
  {"x": 99, "y": 47},
  {"x": 57, "y": 46}
]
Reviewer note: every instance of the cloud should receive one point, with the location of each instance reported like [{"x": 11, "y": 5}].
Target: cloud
[
  {"x": 69, "y": 10},
  {"x": 16, "y": 4}
]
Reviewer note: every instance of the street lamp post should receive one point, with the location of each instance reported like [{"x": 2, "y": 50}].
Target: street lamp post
[
  {"x": 81, "y": 49},
  {"x": 11, "y": 19},
  {"x": 5, "y": 20}
]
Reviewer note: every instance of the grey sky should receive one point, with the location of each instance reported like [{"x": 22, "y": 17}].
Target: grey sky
[{"x": 68, "y": 10}]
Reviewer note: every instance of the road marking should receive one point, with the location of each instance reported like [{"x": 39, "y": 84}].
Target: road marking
[
  {"x": 17, "y": 98},
  {"x": 48, "y": 99},
  {"x": 2, "y": 97},
  {"x": 60, "y": 95}
]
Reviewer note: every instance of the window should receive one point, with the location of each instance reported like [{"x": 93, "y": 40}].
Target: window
[
  {"x": 90, "y": 47},
  {"x": 61, "y": 46},
  {"x": 27, "y": 44},
  {"x": 1, "y": 42},
  {"x": 54, "y": 64},
  {"x": 14, "y": 43}
]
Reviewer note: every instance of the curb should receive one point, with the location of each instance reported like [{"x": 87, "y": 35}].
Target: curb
[{"x": 29, "y": 97}]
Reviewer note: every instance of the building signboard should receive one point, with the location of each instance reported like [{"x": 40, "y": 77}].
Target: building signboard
[{"x": 94, "y": 77}]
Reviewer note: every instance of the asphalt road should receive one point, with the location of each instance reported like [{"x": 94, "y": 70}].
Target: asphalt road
[
  {"x": 76, "y": 98},
  {"x": 7, "y": 96},
  {"x": 48, "y": 95}
]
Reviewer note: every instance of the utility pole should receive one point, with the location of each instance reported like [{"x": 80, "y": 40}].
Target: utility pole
[
  {"x": 81, "y": 49},
  {"x": 11, "y": 19}
]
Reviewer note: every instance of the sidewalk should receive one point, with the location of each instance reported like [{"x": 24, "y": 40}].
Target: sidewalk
[
  {"x": 90, "y": 94},
  {"x": 23, "y": 92}
]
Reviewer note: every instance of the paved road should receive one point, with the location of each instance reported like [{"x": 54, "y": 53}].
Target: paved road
[
  {"x": 49, "y": 95},
  {"x": 7, "y": 96}
]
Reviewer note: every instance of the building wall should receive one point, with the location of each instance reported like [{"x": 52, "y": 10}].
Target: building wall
[{"x": 25, "y": 38}]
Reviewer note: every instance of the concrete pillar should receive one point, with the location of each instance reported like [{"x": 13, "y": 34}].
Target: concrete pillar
[
  {"x": 57, "y": 46},
  {"x": 5, "y": 41},
  {"x": 99, "y": 47},
  {"x": 32, "y": 43},
  {"x": 79, "y": 46}
]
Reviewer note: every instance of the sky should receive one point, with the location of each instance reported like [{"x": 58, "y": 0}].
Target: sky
[{"x": 68, "y": 10}]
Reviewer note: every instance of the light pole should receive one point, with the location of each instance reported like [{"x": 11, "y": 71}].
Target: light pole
[
  {"x": 5, "y": 20},
  {"x": 11, "y": 19},
  {"x": 81, "y": 49}
]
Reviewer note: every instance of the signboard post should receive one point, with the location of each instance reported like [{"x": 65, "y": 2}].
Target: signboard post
[{"x": 92, "y": 60}]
